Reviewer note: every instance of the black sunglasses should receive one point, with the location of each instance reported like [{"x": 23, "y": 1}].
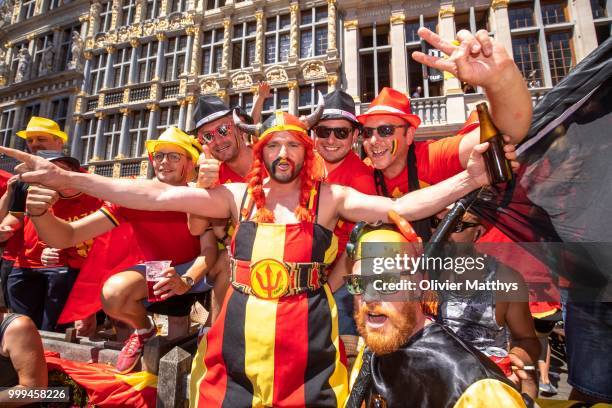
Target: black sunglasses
[
  {"x": 221, "y": 130},
  {"x": 357, "y": 284},
  {"x": 340, "y": 133},
  {"x": 461, "y": 225},
  {"x": 382, "y": 130}
]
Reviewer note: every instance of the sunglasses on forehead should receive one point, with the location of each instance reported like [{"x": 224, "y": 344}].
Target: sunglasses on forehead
[
  {"x": 209, "y": 137},
  {"x": 460, "y": 227},
  {"x": 340, "y": 133},
  {"x": 382, "y": 130}
]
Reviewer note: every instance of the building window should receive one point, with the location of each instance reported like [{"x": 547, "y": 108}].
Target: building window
[
  {"x": 59, "y": 111},
  {"x": 278, "y": 100},
  {"x": 139, "y": 125},
  {"x": 153, "y": 8},
  {"x": 213, "y": 4},
  {"x": 88, "y": 139},
  {"x": 313, "y": 32},
  {"x": 599, "y": 8},
  {"x": 527, "y": 58},
  {"x": 43, "y": 55},
  {"x": 309, "y": 97},
  {"x": 603, "y": 32},
  {"x": 422, "y": 81},
  {"x": 175, "y": 57},
  {"x": 15, "y": 60},
  {"x": 559, "y": 55},
  {"x": 106, "y": 15},
  {"x": 53, "y": 4},
  {"x": 66, "y": 46},
  {"x": 277, "y": 38},
  {"x": 472, "y": 21},
  {"x": 96, "y": 76},
  {"x": 244, "y": 100},
  {"x": 128, "y": 10},
  {"x": 28, "y": 112},
  {"x": 374, "y": 60},
  {"x": 168, "y": 116},
  {"x": 553, "y": 12},
  {"x": 243, "y": 44},
  {"x": 520, "y": 15},
  {"x": 112, "y": 132},
  {"x": 27, "y": 9},
  {"x": 121, "y": 67},
  {"x": 212, "y": 51},
  {"x": 6, "y": 126},
  {"x": 178, "y": 6},
  {"x": 147, "y": 56}
]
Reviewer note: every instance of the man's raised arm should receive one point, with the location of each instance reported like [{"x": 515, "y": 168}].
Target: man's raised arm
[{"x": 137, "y": 194}]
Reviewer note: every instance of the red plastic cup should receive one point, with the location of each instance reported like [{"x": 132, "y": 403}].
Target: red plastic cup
[
  {"x": 154, "y": 273},
  {"x": 500, "y": 357}
]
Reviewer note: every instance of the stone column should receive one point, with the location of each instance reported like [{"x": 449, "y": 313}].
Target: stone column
[
  {"x": 293, "y": 96},
  {"x": 159, "y": 64},
  {"x": 110, "y": 60},
  {"x": 94, "y": 13},
  {"x": 165, "y": 6},
  {"x": 182, "y": 111},
  {"x": 140, "y": 11},
  {"x": 399, "y": 75},
  {"x": 191, "y": 31},
  {"x": 332, "y": 21},
  {"x": 196, "y": 52},
  {"x": 97, "y": 153},
  {"x": 189, "y": 115},
  {"x": 259, "y": 41},
  {"x": 84, "y": 20},
  {"x": 542, "y": 44},
  {"x": 124, "y": 137},
  {"x": 75, "y": 145},
  {"x": 72, "y": 105},
  {"x": 293, "y": 34},
  {"x": 226, "y": 46},
  {"x": 38, "y": 7},
  {"x": 57, "y": 39},
  {"x": 86, "y": 72},
  {"x": 8, "y": 56},
  {"x": 16, "y": 12},
  {"x": 585, "y": 37},
  {"x": 351, "y": 57},
  {"x": 446, "y": 30},
  {"x": 115, "y": 15},
  {"x": 501, "y": 23},
  {"x": 132, "y": 76},
  {"x": 154, "y": 112},
  {"x": 17, "y": 121}
]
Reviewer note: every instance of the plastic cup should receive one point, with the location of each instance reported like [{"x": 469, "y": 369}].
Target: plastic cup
[{"x": 154, "y": 273}]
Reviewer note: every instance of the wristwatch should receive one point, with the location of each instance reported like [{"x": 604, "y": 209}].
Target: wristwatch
[{"x": 188, "y": 280}]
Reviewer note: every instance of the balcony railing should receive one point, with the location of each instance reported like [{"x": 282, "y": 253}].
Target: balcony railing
[
  {"x": 92, "y": 104},
  {"x": 105, "y": 169},
  {"x": 432, "y": 111},
  {"x": 113, "y": 98},
  {"x": 140, "y": 94},
  {"x": 170, "y": 91},
  {"x": 130, "y": 168}
]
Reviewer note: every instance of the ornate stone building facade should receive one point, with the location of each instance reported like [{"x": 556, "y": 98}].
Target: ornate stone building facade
[{"x": 116, "y": 72}]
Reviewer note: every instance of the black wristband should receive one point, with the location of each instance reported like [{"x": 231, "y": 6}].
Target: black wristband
[{"x": 29, "y": 214}]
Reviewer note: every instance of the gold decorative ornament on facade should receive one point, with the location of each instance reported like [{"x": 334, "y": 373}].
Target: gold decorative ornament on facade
[
  {"x": 110, "y": 49},
  {"x": 160, "y": 36},
  {"x": 152, "y": 107},
  {"x": 134, "y": 42},
  {"x": 351, "y": 24},
  {"x": 291, "y": 85},
  {"x": 144, "y": 168},
  {"x": 222, "y": 93},
  {"x": 84, "y": 18},
  {"x": 123, "y": 34},
  {"x": 447, "y": 11},
  {"x": 332, "y": 79},
  {"x": 88, "y": 55},
  {"x": 99, "y": 115},
  {"x": 226, "y": 23},
  {"x": 182, "y": 87},
  {"x": 90, "y": 43},
  {"x": 313, "y": 70},
  {"x": 497, "y": 4},
  {"x": 148, "y": 28},
  {"x": 397, "y": 19},
  {"x": 209, "y": 86},
  {"x": 241, "y": 80},
  {"x": 126, "y": 96},
  {"x": 124, "y": 111},
  {"x": 276, "y": 75},
  {"x": 162, "y": 25},
  {"x": 117, "y": 166}
]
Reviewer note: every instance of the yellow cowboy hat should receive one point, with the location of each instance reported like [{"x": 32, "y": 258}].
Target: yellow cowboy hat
[
  {"x": 42, "y": 126},
  {"x": 175, "y": 136}
]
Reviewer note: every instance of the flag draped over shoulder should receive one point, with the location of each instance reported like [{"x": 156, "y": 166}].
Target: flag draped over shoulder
[
  {"x": 563, "y": 189},
  {"x": 111, "y": 253},
  {"x": 106, "y": 388}
]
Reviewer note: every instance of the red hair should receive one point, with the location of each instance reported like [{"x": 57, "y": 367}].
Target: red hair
[{"x": 258, "y": 173}]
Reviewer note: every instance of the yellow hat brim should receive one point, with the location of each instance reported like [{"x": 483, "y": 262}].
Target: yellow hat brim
[
  {"x": 193, "y": 152},
  {"x": 24, "y": 134}
]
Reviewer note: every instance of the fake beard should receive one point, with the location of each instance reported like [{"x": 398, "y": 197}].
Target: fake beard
[
  {"x": 287, "y": 177},
  {"x": 396, "y": 331}
]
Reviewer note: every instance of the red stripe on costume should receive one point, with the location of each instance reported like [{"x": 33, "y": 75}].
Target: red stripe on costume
[
  {"x": 291, "y": 323},
  {"x": 298, "y": 242},
  {"x": 216, "y": 371}
]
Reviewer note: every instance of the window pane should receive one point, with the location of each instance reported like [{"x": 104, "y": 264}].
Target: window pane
[
  {"x": 527, "y": 58},
  {"x": 218, "y": 51},
  {"x": 306, "y": 17},
  {"x": 250, "y": 44},
  {"x": 320, "y": 40},
  {"x": 206, "y": 61},
  {"x": 382, "y": 35},
  {"x": 559, "y": 55},
  {"x": 285, "y": 21},
  {"x": 520, "y": 16},
  {"x": 411, "y": 31},
  {"x": 553, "y": 12},
  {"x": 270, "y": 49},
  {"x": 367, "y": 78},
  {"x": 236, "y": 55},
  {"x": 271, "y": 24},
  {"x": 367, "y": 37},
  {"x": 321, "y": 14},
  {"x": 306, "y": 43},
  {"x": 284, "y": 47},
  {"x": 598, "y": 7}
]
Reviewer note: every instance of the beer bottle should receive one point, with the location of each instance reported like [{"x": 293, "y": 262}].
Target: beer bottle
[{"x": 498, "y": 166}]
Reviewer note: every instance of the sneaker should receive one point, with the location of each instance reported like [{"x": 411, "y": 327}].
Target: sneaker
[
  {"x": 547, "y": 389},
  {"x": 132, "y": 350}
]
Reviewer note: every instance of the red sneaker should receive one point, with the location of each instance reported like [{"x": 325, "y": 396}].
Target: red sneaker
[{"x": 132, "y": 350}]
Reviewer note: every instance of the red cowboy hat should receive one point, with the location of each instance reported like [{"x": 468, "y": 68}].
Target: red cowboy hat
[{"x": 391, "y": 102}]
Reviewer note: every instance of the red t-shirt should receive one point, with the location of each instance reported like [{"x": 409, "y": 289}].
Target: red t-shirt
[
  {"x": 436, "y": 160},
  {"x": 160, "y": 235},
  {"x": 68, "y": 209},
  {"x": 227, "y": 175},
  {"x": 352, "y": 172}
]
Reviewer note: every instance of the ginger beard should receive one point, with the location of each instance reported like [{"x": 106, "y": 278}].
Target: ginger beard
[{"x": 386, "y": 328}]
